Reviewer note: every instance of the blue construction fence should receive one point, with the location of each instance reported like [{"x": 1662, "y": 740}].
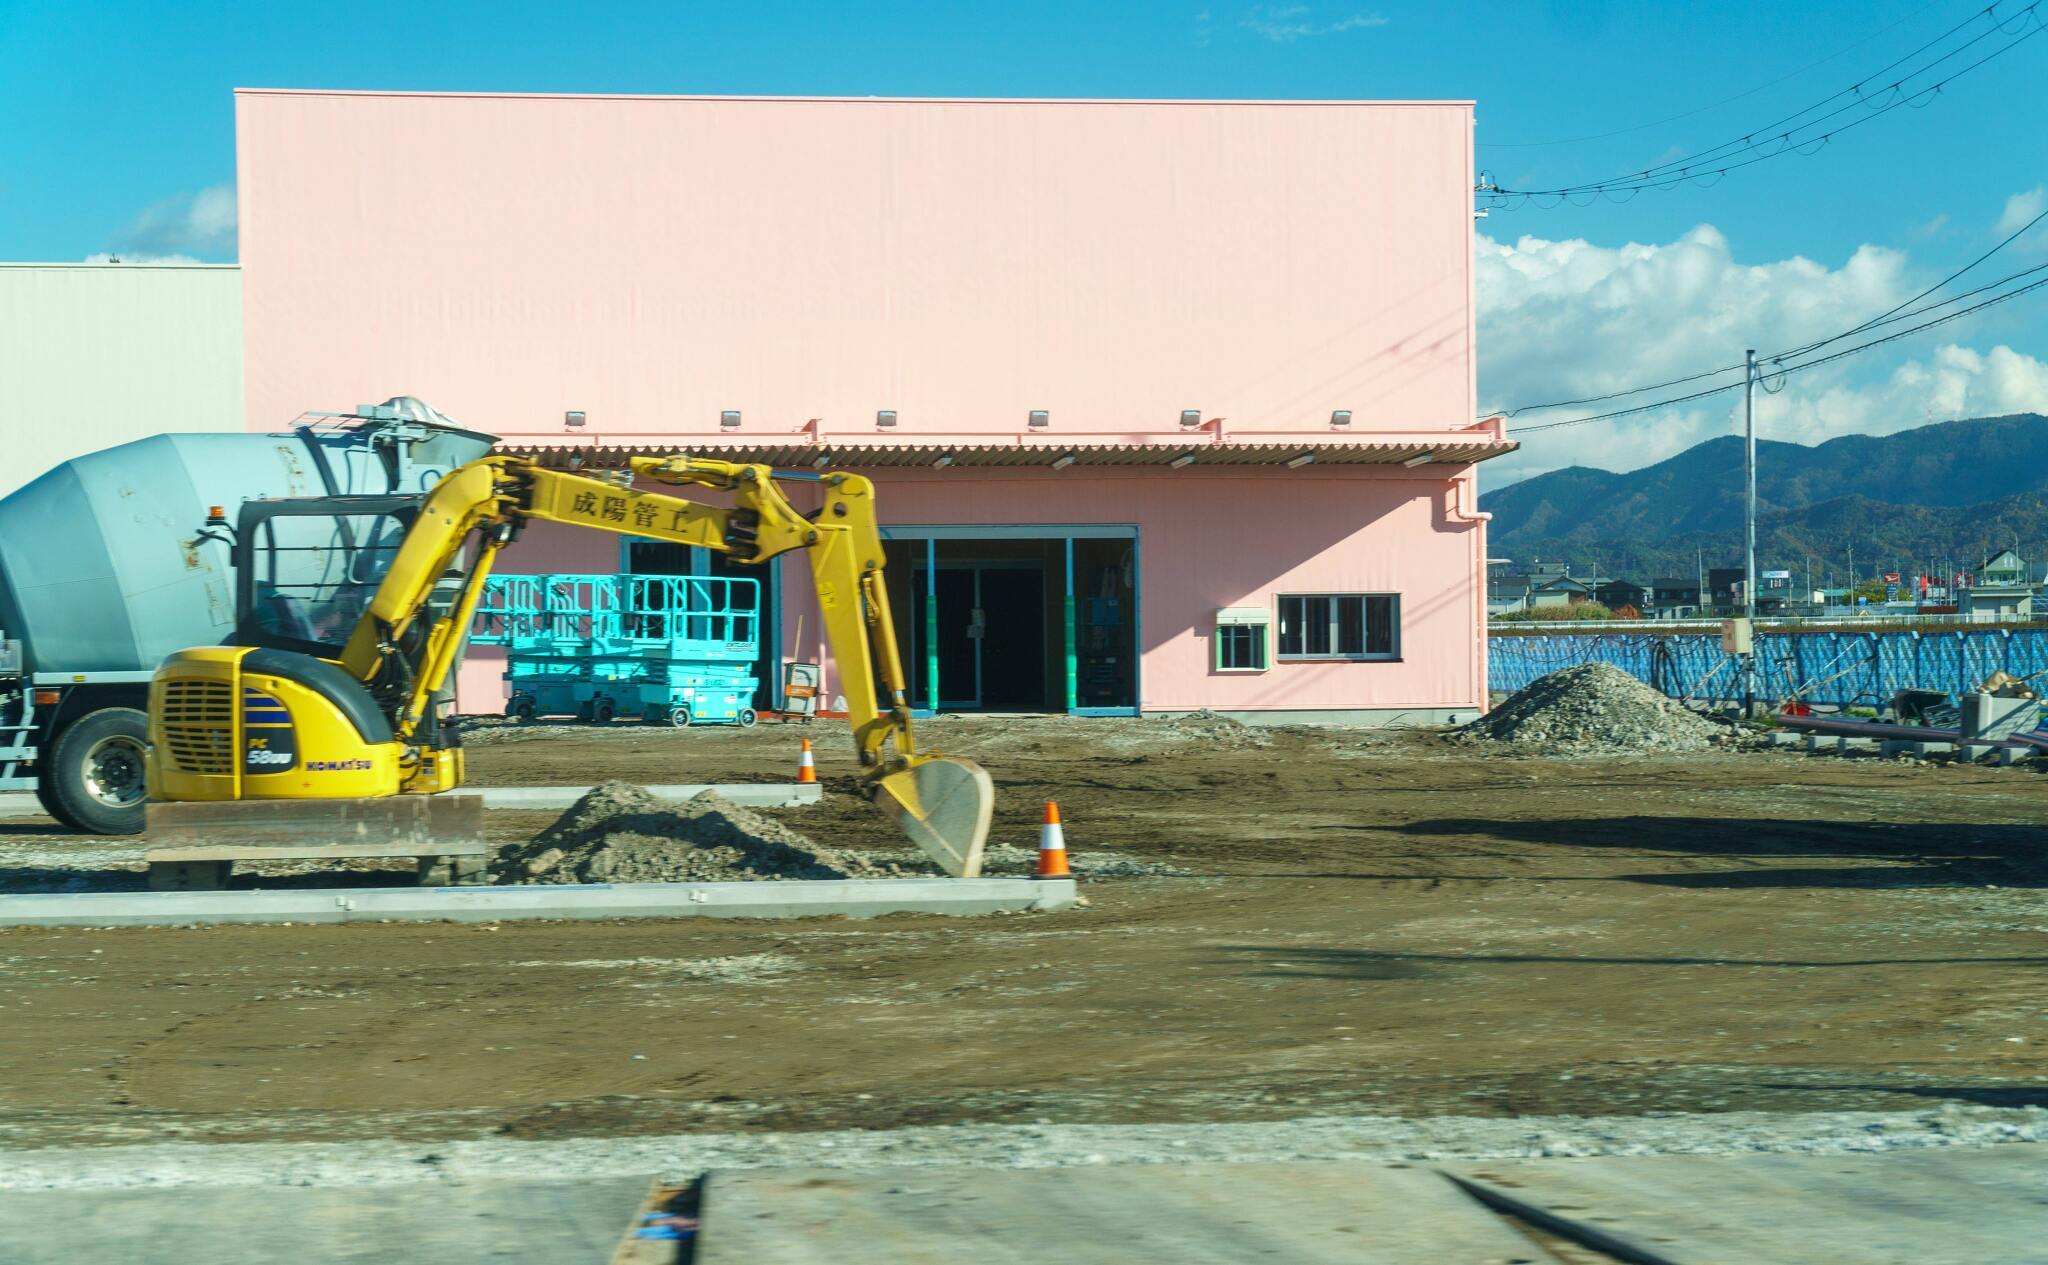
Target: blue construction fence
[{"x": 1847, "y": 669}]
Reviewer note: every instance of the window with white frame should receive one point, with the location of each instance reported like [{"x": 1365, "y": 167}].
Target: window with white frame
[
  {"x": 1340, "y": 626},
  {"x": 1243, "y": 639}
]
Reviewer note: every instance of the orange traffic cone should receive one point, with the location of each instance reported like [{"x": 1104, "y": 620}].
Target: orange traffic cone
[
  {"x": 1052, "y": 845},
  {"x": 806, "y": 768}
]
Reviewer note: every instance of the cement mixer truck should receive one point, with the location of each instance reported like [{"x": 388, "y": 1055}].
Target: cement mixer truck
[{"x": 109, "y": 564}]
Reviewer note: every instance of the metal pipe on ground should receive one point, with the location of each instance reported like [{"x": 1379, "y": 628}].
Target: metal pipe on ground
[{"x": 2037, "y": 739}]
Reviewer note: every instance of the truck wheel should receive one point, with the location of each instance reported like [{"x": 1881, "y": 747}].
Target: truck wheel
[
  {"x": 96, "y": 771},
  {"x": 520, "y": 709},
  {"x": 602, "y": 712},
  {"x": 679, "y": 717},
  {"x": 746, "y": 718}
]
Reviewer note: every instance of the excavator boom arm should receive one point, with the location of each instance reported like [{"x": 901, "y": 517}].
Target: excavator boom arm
[{"x": 943, "y": 804}]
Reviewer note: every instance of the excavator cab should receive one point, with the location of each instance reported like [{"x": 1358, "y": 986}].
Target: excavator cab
[{"x": 307, "y": 567}]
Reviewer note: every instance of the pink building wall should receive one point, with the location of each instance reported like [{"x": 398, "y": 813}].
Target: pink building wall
[
  {"x": 652, "y": 262},
  {"x": 1225, "y": 538},
  {"x": 1208, "y": 539}
]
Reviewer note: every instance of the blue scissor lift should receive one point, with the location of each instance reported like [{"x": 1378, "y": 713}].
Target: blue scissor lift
[{"x": 675, "y": 650}]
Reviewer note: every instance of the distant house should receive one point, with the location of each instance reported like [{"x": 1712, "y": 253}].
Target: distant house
[
  {"x": 1674, "y": 598},
  {"x": 1557, "y": 593},
  {"x": 2001, "y": 590},
  {"x": 2005, "y": 568},
  {"x": 1615, "y": 594},
  {"x": 1723, "y": 584},
  {"x": 1506, "y": 594}
]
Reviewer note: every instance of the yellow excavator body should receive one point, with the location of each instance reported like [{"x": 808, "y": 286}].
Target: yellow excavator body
[
  {"x": 224, "y": 728},
  {"x": 239, "y": 723}
]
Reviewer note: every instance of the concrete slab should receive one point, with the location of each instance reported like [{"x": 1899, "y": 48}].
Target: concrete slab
[
  {"x": 747, "y": 794},
  {"x": 19, "y": 804},
  {"x": 1919, "y": 750},
  {"x": 1939, "y": 1206},
  {"x": 806, "y": 898},
  {"x": 504, "y": 1223},
  {"x": 1197, "y": 1214}
]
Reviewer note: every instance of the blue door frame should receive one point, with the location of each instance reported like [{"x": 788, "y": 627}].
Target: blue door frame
[
  {"x": 931, "y": 535},
  {"x": 1067, "y": 534}
]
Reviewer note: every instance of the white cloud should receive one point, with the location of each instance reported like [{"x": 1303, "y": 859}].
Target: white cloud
[
  {"x": 1953, "y": 382},
  {"x": 1285, "y": 23},
  {"x": 130, "y": 257},
  {"x": 1563, "y": 320},
  {"x": 2022, "y": 209},
  {"x": 196, "y": 224},
  {"x": 1931, "y": 228},
  {"x": 1567, "y": 319}
]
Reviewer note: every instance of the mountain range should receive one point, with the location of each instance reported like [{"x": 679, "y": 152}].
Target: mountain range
[{"x": 1950, "y": 492}]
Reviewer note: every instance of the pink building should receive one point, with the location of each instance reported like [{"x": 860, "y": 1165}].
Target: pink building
[{"x": 1170, "y": 404}]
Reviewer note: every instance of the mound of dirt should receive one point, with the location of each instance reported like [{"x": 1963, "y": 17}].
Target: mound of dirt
[
  {"x": 1591, "y": 709},
  {"x": 1219, "y": 732},
  {"x": 620, "y": 833}
]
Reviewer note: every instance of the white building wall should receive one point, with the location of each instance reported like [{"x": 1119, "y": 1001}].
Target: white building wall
[{"x": 93, "y": 355}]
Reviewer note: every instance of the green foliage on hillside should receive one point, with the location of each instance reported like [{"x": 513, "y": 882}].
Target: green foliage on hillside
[{"x": 1955, "y": 490}]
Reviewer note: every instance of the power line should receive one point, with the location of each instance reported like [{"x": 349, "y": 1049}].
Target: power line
[
  {"x": 1926, "y": 325},
  {"x": 1786, "y": 370},
  {"x": 1715, "y": 105},
  {"x": 1677, "y": 171},
  {"x": 1787, "y": 135},
  {"x": 1621, "y": 395},
  {"x": 1882, "y": 318}
]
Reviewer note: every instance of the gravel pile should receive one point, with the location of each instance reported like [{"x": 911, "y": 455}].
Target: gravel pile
[
  {"x": 991, "y": 740},
  {"x": 620, "y": 833},
  {"x": 1591, "y": 709}
]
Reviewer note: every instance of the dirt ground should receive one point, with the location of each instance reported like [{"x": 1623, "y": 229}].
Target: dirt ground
[{"x": 1369, "y": 923}]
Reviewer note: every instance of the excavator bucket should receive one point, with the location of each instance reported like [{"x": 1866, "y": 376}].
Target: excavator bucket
[{"x": 944, "y": 805}]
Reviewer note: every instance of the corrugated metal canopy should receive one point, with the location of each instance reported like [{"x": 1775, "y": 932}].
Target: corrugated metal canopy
[{"x": 881, "y": 456}]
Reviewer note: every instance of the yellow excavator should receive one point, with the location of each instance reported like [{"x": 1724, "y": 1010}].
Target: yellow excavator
[{"x": 275, "y": 723}]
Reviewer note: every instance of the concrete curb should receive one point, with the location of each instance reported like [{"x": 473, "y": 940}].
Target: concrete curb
[
  {"x": 746, "y": 794},
  {"x": 797, "y": 898}
]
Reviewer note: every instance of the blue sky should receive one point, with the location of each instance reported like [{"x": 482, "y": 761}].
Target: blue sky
[{"x": 119, "y": 136}]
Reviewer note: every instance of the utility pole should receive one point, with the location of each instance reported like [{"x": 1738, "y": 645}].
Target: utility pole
[{"x": 1749, "y": 527}]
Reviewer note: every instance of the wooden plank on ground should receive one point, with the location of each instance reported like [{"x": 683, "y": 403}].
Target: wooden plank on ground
[
  {"x": 1938, "y": 1206},
  {"x": 1198, "y": 1214},
  {"x": 418, "y": 825},
  {"x": 636, "y": 1250}
]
